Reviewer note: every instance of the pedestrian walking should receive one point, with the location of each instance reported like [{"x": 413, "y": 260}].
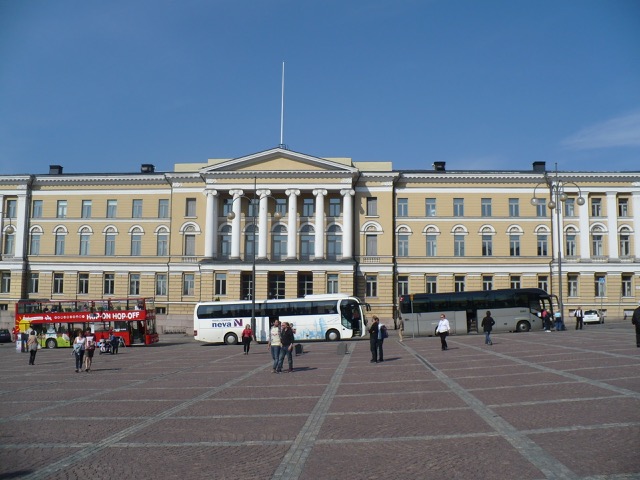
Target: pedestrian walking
[
  {"x": 287, "y": 339},
  {"x": 275, "y": 343},
  {"x": 382, "y": 334},
  {"x": 89, "y": 349},
  {"x": 78, "y": 350},
  {"x": 487, "y": 325},
  {"x": 400, "y": 325},
  {"x": 443, "y": 330},
  {"x": 373, "y": 338},
  {"x": 557, "y": 316},
  {"x": 247, "y": 336},
  {"x": 636, "y": 321},
  {"x": 32, "y": 347},
  {"x": 579, "y": 314}
]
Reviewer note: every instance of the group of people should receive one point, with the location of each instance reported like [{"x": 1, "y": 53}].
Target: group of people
[
  {"x": 84, "y": 346},
  {"x": 281, "y": 338}
]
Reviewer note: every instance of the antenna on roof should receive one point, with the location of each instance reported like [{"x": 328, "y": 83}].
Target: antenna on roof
[{"x": 282, "y": 145}]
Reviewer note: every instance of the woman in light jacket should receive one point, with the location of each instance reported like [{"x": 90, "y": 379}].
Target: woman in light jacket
[{"x": 32, "y": 347}]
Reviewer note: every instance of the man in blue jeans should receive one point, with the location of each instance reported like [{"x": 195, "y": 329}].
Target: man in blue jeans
[
  {"x": 275, "y": 343},
  {"x": 287, "y": 339}
]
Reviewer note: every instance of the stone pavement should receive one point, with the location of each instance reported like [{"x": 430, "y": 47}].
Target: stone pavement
[{"x": 537, "y": 405}]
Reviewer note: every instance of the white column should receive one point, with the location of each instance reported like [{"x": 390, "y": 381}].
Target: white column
[
  {"x": 235, "y": 223},
  {"x": 21, "y": 224},
  {"x": 583, "y": 213},
  {"x": 612, "y": 225},
  {"x": 263, "y": 226},
  {"x": 557, "y": 224},
  {"x": 635, "y": 209},
  {"x": 347, "y": 215},
  {"x": 319, "y": 237},
  {"x": 211, "y": 224},
  {"x": 292, "y": 234}
]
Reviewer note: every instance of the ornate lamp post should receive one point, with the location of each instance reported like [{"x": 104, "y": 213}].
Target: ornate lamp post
[{"x": 558, "y": 197}]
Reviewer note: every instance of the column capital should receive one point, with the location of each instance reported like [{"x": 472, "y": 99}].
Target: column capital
[
  {"x": 210, "y": 192},
  {"x": 236, "y": 193},
  {"x": 319, "y": 191},
  {"x": 291, "y": 192},
  {"x": 263, "y": 193},
  {"x": 349, "y": 192}
]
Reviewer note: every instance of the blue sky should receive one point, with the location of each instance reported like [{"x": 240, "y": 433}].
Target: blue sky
[{"x": 103, "y": 86}]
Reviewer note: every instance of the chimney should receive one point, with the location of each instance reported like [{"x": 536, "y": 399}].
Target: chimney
[
  {"x": 147, "y": 168},
  {"x": 539, "y": 167},
  {"x": 439, "y": 166},
  {"x": 55, "y": 169}
]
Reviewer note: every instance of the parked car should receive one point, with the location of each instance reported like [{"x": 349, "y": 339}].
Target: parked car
[
  {"x": 5, "y": 335},
  {"x": 592, "y": 316}
]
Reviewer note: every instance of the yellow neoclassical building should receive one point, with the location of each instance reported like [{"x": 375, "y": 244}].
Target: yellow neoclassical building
[{"x": 317, "y": 225}]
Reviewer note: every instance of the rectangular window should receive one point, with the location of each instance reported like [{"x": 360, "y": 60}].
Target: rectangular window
[
  {"x": 487, "y": 245},
  {"x": 485, "y": 207},
  {"x": 625, "y": 245},
  {"x": 136, "y": 209},
  {"x": 34, "y": 244},
  {"x": 227, "y": 206},
  {"x": 570, "y": 207},
  {"x": 37, "y": 209},
  {"x": 458, "y": 207},
  {"x": 9, "y": 241},
  {"x": 543, "y": 245},
  {"x": 109, "y": 283},
  {"x": 188, "y": 284},
  {"x": 459, "y": 283},
  {"x": 487, "y": 282},
  {"x": 570, "y": 245},
  {"x": 627, "y": 290},
  {"x": 61, "y": 211},
  {"x": 221, "y": 284},
  {"x": 430, "y": 207},
  {"x": 83, "y": 283},
  {"x": 403, "y": 245},
  {"x": 34, "y": 282},
  {"x": 431, "y": 284},
  {"x": 371, "y": 247},
  {"x": 572, "y": 285},
  {"x": 371, "y": 285},
  {"x": 514, "y": 245},
  {"x": 276, "y": 285},
  {"x": 596, "y": 245},
  {"x": 5, "y": 282},
  {"x": 308, "y": 207},
  {"x": 403, "y": 207},
  {"x": 86, "y": 208},
  {"x": 112, "y": 208},
  {"x": 596, "y": 207},
  {"x": 514, "y": 281},
  {"x": 162, "y": 244},
  {"x": 623, "y": 207},
  {"x": 254, "y": 208},
  {"x": 372, "y": 206},
  {"x": 134, "y": 284},
  {"x": 432, "y": 245},
  {"x": 600, "y": 285},
  {"x": 163, "y": 208},
  {"x": 458, "y": 245},
  {"x": 161, "y": 284},
  {"x": 543, "y": 282},
  {"x": 12, "y": 209},
  {"x": 281, "y": 206},
  {"x": 514, "y": 207},
  {"x": 305, "y": 284},
  {"x": 335, "y": 209},
  {"x": 190, "y": 207},
  {"x": 58, "y": 283},
  {"x": 332, "y": 283},
  {"x": 403, "y": 285},
  {"x": 541, "y": 208}
]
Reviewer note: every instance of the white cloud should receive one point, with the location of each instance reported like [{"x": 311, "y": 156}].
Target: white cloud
[{"x": 623, "y": 131}]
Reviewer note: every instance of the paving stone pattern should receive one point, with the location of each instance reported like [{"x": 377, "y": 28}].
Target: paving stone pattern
[{"x": 560, "y": 405}]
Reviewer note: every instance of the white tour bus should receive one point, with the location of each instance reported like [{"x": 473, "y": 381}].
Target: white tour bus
[{"x": 314, "y": 317}]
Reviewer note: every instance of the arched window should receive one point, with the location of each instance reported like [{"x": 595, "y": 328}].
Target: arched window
[
  {"x": 60, "y": 234},
  {"x": 279, "y": 242},
  {"x": 307, "y": 242},
  {"x": 625, "y": 241},
  {"x": 570, "y": 242},
  {"x": 110, "y": 241},
  {"x": 162, "y": 242},
  {"x": 34, "y": 240},
  {"x": 136, "y": 241},
  {"x": 189, "y": 248},
  {"x": 334, "y": 242},
  {"x": 85, "y": 241},
  {"x": 597, "y": 241}
]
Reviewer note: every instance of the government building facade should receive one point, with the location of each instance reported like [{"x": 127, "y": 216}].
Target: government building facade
[{"x": 310, "y": 225}]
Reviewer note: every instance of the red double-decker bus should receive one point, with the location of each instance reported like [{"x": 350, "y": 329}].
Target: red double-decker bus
[{"x": 56, "y": 322}]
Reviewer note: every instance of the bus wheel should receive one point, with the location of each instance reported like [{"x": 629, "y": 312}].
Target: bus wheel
[
  {"x": 523, "y": 326},
  {"x": 51, "y": 343},
  {"x": 332, "y": 335},
  {"x": 231, "y": 339}
]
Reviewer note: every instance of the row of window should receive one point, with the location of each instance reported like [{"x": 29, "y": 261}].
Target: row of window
[{"x": 486, "y": 207}]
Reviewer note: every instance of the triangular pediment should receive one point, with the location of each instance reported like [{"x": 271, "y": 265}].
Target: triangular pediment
[{"x": 280, "y": 160}]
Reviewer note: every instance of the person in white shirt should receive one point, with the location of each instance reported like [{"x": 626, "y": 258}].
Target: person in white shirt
[
  {"x": 579, "y": 314},
  {"x": 443, "y": 330},
  {"x": 275, "y": 343}
]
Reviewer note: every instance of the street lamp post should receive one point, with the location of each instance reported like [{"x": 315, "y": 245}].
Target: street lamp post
[
  {"x": 254, "y": 207},
  {"x": 558, "y": 196}
]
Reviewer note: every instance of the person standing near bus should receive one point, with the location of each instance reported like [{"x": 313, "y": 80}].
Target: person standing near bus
[
  {"x": 78, "y": 350},
  {"x": 579, "y": 314},
  {"x": 382, "y": 334},
  {"x": 114, "y": 342},
  {"x": 487, "y": 325},
  {"x": 373, "y": 339},
  {"x": 443, "y": 330},
  {"x": 32, "y": 347},
  {"x": 275, "y": 343},
  {"x": 635, "y": 320},
  {"x": 287, "y": 339},
  {"x": 247, "y": 336},
  {"x": 89, "y": 349}
]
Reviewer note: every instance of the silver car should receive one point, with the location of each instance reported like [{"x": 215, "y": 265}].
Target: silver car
[{"x": 592, "y": 316}]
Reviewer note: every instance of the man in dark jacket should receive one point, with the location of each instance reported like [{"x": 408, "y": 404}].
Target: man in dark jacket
[
  {"x": 636, "y": 321},
  {"x": 373, "y": 339},
  {"x": 487, "y": 325},
  {"x": 287, "y": 339}
]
